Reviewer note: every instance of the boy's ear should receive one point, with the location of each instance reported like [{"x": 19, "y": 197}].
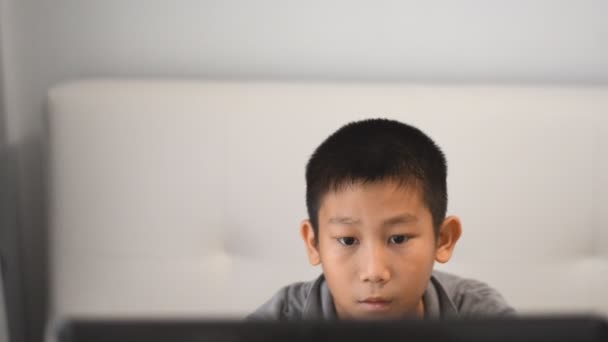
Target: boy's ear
[
  {"x": 308, "y": 235},
  {"x": 450, "y": 232}
]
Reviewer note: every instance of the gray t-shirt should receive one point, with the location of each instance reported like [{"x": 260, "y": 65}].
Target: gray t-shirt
[{"x": 446, "y": 296}]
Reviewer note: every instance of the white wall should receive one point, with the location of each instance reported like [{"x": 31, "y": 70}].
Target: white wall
[
  {"x": 515, "y": 41},
  {"x": 47, "y": 42}
]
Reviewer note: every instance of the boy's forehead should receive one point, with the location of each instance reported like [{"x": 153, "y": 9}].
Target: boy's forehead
[
  {"x": 389, "y": 186},
  {"x": 372, "y": 194}
]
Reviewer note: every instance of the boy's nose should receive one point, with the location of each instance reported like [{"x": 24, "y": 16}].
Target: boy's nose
[{"x": 375, "y": 268}]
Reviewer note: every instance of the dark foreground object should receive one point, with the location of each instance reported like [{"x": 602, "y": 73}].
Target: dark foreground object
[{"x": 568, "y": 329}]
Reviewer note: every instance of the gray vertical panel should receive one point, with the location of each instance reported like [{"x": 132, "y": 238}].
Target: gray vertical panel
[
  {"x": 3, "y": 318},
  {"x": 33, "y": 236},
  {"x": 11, "y": 301},
  {"x": 9, "y": 246},
  {"x": 12, "y": 243}
]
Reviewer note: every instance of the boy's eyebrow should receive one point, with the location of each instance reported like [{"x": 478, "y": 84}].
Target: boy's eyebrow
[
  {"x": 343, "y": 220},
  {"x": 400, "y": 219}
]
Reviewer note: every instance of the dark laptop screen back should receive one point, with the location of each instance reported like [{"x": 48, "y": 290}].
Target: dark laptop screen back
[{"x": 512, "y": 330}]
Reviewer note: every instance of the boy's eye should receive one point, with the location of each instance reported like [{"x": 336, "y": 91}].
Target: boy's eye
[
  {"x": 347, "y": 241},
  {"x": 398, "y": 239}
]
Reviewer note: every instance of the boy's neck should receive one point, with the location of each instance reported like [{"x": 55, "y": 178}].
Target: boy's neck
[{"x": 420, "y": 309}]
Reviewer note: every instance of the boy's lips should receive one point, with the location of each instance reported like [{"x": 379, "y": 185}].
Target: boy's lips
[{"x": 375, "y": 303}]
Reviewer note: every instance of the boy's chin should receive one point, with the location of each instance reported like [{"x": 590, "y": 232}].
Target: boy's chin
[{"x": 383, "y": 316}]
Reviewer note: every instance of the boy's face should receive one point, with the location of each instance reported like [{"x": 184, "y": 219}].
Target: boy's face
[{"x": 377, "y": 248}]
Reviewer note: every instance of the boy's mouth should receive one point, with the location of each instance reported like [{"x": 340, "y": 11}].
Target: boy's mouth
[{"x": 375, "y": 303}]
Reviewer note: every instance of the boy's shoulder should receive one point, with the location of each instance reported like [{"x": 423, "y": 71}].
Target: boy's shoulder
[
  {"x": 291, "y": 302},
  {"x": 469, "y": 297},
  {"x": 447, "y": 295}
]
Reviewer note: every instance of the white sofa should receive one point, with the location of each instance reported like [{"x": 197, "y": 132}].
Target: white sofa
[{"x": 184, "y": 198}]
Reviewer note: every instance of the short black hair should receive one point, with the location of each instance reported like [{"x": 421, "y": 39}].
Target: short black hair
[{"x": 375, "y": 150}]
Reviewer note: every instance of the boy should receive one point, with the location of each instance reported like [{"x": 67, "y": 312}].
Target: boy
[{"x": 376, "y": 195}]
